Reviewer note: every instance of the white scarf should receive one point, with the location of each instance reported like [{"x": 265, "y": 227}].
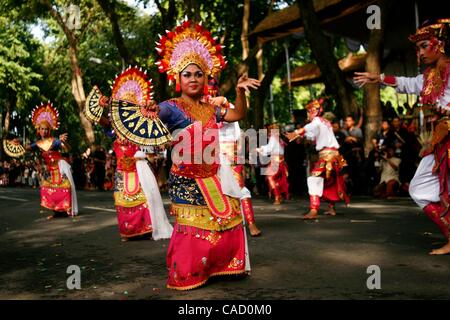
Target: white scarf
[{"x": 162, "y": 229}]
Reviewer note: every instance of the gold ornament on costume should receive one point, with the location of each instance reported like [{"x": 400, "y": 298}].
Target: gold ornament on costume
[
  {"x": 13, "y": 149},
  {"x": 130, "y": 117},
  {"x": 93, "y": 108},
  {"x": 434, "y": 30}
]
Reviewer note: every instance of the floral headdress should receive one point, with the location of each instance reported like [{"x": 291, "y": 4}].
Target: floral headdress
[
  {"x": 133, "y": 85},
  {"x": 432, "y": 29},
  {"x": 45, "y": 113},
  {"x": 316, "y": 104},
  {"x": 189, "y": 43}
]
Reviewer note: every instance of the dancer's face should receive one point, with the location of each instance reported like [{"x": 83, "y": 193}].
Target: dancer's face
[
  {"x": 428, "y": 51},
  {"x": 312, "y": 113},
  {"x": 43, "y": 131},
  {"x": 192, "y": 80}
]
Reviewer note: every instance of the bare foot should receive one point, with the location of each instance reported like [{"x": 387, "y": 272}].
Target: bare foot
[
  {"x": 254, "y": 231},
  {"x": 331, "y": 211},
  {"x": 312, "y": 214},
  {"x": 124, "y": 239},
  {"x": 277, "y": 201},
  {"x": 50, "y": 217},
  {"x": 441, "y": 251}
]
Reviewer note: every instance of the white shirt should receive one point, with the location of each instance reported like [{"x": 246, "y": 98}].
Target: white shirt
[
  {"x": 229, "y": 132},
  {"x": 414, "y": 85},
  {"x": 274, "y": 147},
  {"x": 320, "y": 131}
]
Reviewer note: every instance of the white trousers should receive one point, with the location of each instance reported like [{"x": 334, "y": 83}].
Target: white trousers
[
  {"x": 424, "y": 187},
  {"x": 315, "y": 186}
]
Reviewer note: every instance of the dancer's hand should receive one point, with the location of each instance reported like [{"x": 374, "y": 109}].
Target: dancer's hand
[
  {"x": 246, "y": 83},
  {"x": 63, "y": 137},
  {"x": 218, "y": 101},
  {"x": 152, "y": 106},
  {"x": 362, "y": 78},
  {"x": 291, "y": 136},
  {"x": 104, "y": 101}
]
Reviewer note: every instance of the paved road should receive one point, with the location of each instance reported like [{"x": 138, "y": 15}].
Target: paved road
[{"x": 324, "y": 259}]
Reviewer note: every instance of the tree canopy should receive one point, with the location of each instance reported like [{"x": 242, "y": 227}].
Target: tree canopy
[{"x": 111, "y": 35}]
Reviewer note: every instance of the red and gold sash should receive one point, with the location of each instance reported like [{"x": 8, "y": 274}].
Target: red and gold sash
[{"x": 217, "y": 202}]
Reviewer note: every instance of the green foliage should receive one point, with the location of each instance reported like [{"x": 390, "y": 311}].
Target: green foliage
[
  {"x": 39, "y": 70},
  {"x": 17, "y": 76}
]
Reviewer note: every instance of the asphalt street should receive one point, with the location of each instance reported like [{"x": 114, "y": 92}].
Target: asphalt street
[{"x": 323, "y": 259}]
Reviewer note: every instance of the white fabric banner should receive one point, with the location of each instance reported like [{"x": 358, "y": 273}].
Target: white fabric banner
[
  {"x": 65, "y": 169},
  {"x": 230, "y": 187},
  {"x": 162, "y": 229}
]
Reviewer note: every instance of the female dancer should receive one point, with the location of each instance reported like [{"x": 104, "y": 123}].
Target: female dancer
[
  {"x": 140, "y": 210},
  {"x": 208, "y": 237},
  {"x": 57, "y": 184}
]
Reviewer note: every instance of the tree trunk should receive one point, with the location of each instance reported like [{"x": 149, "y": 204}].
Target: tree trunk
[
  {"x": 2, "y": 134},
  {"x": 273, "y": 66},
  {"x": 373, "y": 114},
  {"x": 168, "y": 21},
  {"x": 77, "y": 79},
  {"x": 10, "y": 102},
  {"x": 260, "y": 63},
  {"x": 244, "y": 33},
  {"x": 80, "y": 97},
  {"x": 323, "y": 53},
  {"x": 7, "y": 119},
  {"x": 245, "y": 46},
  {"x": 108, "y": 8}
]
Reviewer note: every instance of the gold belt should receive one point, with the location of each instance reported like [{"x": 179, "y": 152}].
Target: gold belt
[{"x": 328, "y": 154}]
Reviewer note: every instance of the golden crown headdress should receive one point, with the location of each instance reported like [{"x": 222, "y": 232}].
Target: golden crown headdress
[
  {"x": 189, "y": 43},
  {"x": 316, "y": 104},
  {"x": 433, "y": 30},
  {"x": 45, "y": 112}
]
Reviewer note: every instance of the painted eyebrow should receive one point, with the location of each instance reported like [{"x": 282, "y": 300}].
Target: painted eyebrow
[{"x": 195, "y": 73}]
